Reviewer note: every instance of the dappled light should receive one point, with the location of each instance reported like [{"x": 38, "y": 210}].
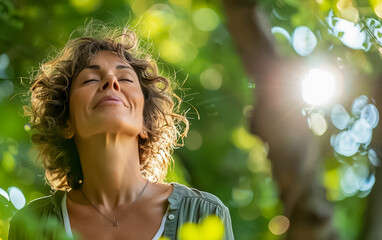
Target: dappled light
[
  {"x": 242, "y": 195},
  {"x": 358, "y": 130},
  {"x": 85, "y": 6},
  {"x": 248, "y": 143},
  {"x": 345, "y": 144},
  {"x": 194, "y": 140},
  {"x": 317, "y": 123},
  {"x": 351, "y": 35},
  {"x": 211, "y": 79},
  {"x": 340, "y": 117},
  {"x": 303, "y": 41},
  {"x": 278, "y": 225},
  {"x": 206, "y": 19},
  {"x": 357, "y": 173},
  {"x": 16, "y": 197}
]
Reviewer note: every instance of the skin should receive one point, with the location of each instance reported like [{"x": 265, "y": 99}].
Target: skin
[{"x": 106, "y": 136}]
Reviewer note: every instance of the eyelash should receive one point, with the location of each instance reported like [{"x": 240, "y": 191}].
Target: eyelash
[
  {"x": 90, "y": 80},
  {"x": 124, "y": 80}
]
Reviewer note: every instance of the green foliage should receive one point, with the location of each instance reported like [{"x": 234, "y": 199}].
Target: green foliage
[
  {"x": 211, "y": 228},
  {"x": 194, "y": 47}
]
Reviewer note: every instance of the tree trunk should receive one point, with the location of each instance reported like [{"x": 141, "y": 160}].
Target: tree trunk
[
  {"x": 373, "y": 217},
  {"x": 293, "y": 150}
]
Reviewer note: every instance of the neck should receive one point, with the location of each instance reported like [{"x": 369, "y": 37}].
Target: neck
[{"x": 111, "y": 169}]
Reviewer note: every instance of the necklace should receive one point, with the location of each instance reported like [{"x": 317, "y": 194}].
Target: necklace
[{"x": 115, "y": 223}]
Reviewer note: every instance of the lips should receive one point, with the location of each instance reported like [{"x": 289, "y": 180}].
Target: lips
[{"x": 110, "y": 100}]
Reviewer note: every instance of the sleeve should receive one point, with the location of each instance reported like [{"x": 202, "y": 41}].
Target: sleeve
[
  {"x": 226, "y": 218},
  {"x": 25, "y": 224},
  {"x": 18, "y": 227}
]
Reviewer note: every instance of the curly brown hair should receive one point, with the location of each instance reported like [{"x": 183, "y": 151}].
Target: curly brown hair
[{"x": 49, "y": 106}]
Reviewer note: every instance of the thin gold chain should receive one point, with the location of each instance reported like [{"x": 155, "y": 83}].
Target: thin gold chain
[{"x": 116, "y": 222}]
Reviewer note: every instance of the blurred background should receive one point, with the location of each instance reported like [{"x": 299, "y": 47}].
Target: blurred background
[{"x": 336, "y": 46}]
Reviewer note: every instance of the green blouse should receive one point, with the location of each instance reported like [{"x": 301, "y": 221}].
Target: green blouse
[{"x": 185, "y": 205}]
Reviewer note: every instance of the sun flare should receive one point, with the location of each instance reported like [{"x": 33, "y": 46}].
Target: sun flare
[{"x": 319, "y": 87}]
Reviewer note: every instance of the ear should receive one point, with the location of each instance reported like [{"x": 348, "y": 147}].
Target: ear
[
  {"x": 143, "y": 134},
  {"x": 68, "y": 132}
]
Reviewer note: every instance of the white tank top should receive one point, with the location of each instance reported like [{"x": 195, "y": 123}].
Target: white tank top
[{"x": 68, "y": 230}]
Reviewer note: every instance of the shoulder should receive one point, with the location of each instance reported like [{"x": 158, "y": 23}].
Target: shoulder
[
  {"x": 186, "y": 195},
  {"x": 41, "y": 217},
  {"x": 190, "y": 205},
  {"x": 48, "y": 205}
]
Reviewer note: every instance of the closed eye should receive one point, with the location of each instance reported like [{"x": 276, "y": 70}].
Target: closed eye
[
  {"x": 125, "y": 80},
  {"x": 90, "y": 80}
]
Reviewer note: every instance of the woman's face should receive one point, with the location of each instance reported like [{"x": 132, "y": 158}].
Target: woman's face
[{"x": 106, "y": 97}]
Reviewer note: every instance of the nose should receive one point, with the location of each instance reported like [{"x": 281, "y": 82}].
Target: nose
[{"x": 110, "y": 81}]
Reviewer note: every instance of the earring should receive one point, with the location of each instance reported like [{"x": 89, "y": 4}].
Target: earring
[
  {"x": 68, "y": 133},
  {"x": 80, "y": 181}
]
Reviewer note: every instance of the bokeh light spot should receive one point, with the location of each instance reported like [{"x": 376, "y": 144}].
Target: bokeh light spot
[
  {"x": 6, "y": 89},
  {"x": 303, "y": 41},
  {"x": 343, "y": 4},
  {"x": 242, "y": 139},
  {"x": 282, "y": 32},
  {"x": 358, "y": 104},
  {"x": 171, "y": 51},
  {"x": 194, "y": 140},
  {"x": 139, "y": 7},
  {"x": 345, "y": 144},
  {"x": 211, "y": 79},
  {"x": 378, "y": 9},
  {"x": 278, "y": 225},
  {"x": 318, "y": 124},
  {"x": 361, "y": 131},
  {"x": 332, "y": 184},
  {"x": 351, "y": 14},
  {"x": 17, "y": 197},
  {"x": 373, "y": 157},
  {"x": 364, "y": 180},
  {"x": 181, "y": 3},
  {"x": 4, "y": 62},
  {"x": 348, "y": 182},
  {"x": 318, "y": 87},
  {"x": 350, "y": 34},
  {"x": 370, "y": 114},
  {"x": 181, "y": 31},
  {"x": 8, "y": 163},
  {"x": 85, "y": 6},
  {"x": 340, "y": 117},
  {"x": 205, "y": 19},
  {"x": 247, "y": 110},
  {"x": 242, "y": 196},
  {"x": 27, "y": 127},
  {"x": 156, "y": 20}
]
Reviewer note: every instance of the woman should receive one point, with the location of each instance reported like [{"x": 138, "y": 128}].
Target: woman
[{"x": 104, "y": 124}]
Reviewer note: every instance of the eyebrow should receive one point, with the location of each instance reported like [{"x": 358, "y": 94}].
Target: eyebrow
[{"x": 97, "y": 67}]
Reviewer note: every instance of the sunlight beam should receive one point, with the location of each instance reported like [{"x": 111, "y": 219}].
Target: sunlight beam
[{"x": 319, "y": 87}]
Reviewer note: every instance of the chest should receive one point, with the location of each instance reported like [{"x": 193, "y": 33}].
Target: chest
[{"x": 138, "y": 223}]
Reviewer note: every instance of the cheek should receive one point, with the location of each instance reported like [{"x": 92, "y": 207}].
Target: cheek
[{"x": 77, "y": 105}]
